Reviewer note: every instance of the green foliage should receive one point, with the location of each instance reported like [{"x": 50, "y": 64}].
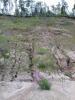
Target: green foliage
[
  {"x": 44, "y": 84},
  {"x": 42, "y": 51},
  {"x": 45, "y": 62},
  {"x": 22, "y": 24},
  {"x": 3, "y": 38},
  {"x": 49, "y": 13},
  {"x": 5, "y": 54},
  {"x": 17, "y": 13},
  {"x": 4, "y": 41},
  {"x": 3, "y": 48},
  {"x": 42, "y": 66}
]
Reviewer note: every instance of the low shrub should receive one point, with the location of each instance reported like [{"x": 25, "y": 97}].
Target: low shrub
[
  {"x": 44, "y": 84},
  {"x": 42, "y": 66}
]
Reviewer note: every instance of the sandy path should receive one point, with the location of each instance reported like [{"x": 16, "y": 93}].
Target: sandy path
[
  {"x": 14, "y": 90},
  {"x": 54, "y": 94},
  {"x": 60, "y": 91}
]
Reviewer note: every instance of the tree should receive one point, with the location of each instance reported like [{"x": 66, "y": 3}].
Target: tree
[
  {"x": 64, "y": 7},
  {"x": 38, "y": 8},
  {"x": 23, "y": 9},
  {"x": 17, "y": 13},
  {"x": 29, "y": 3},
  {"x": 73, "y": 10},
  {"x": 16, "y": 9},
  {"x": 49, "y": 13},
  {"x": 41, "y": 9},
  {"x": 5, "y": 8},
  {"x": 58, "y": 7},
  {"x": 53, "y": 9}
]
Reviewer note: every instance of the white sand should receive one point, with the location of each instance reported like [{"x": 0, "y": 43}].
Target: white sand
[
  {"x": 12, "y": 89},
  {"x": 62, "y": 89}
]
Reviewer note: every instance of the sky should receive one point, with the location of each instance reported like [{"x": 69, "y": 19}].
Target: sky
[{"x": 54, "y": 2}]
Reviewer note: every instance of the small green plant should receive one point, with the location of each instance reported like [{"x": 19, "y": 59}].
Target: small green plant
[
  {"x": 42, "y": 66},
  {"x": 44, "y": 84}
]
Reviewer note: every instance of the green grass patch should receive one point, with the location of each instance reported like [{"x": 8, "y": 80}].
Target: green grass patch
[
  {"x": 3, "y": 38},
  {"x": 42, "y": 51}
]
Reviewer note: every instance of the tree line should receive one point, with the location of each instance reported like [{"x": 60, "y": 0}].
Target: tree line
[{"x": 32, "y": 8}]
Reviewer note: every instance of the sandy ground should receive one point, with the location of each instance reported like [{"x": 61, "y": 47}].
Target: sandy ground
[
  {"x": 12, "y": 89},
  {"x": 62, "y": 89}
]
